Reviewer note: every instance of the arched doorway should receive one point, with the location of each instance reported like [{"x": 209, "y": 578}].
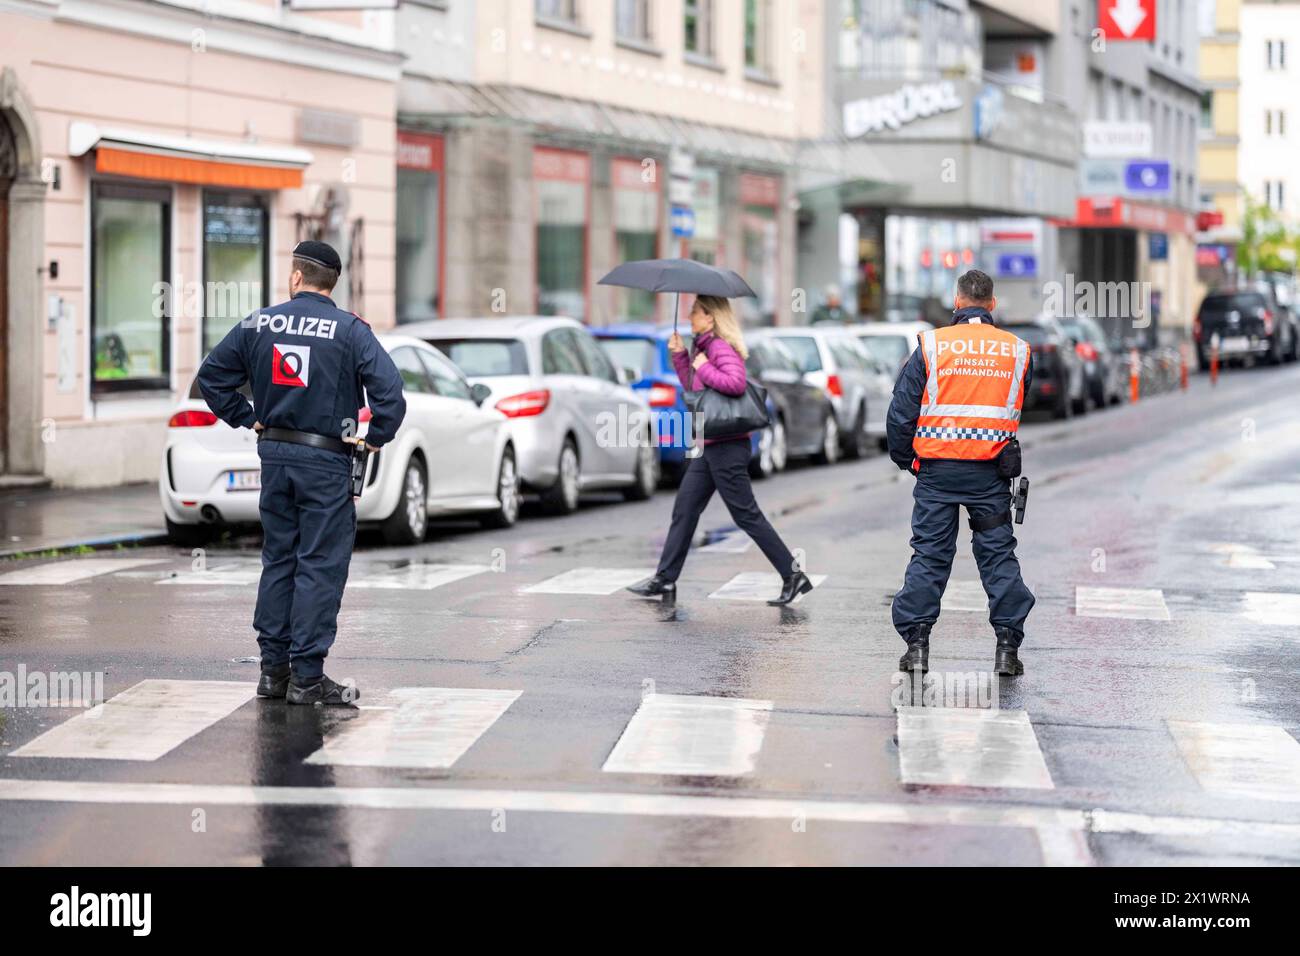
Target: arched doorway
[{"x": 22, "y": 278}]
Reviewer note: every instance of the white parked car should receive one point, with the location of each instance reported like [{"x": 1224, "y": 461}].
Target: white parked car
[
  {"x": 452, "y": 455},
  {"x": 576, "y": 423},
  {"x": 890, "y": 342}
]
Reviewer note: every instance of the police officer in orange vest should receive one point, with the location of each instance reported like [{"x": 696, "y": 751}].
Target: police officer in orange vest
[{"x": 953, "y": 424}]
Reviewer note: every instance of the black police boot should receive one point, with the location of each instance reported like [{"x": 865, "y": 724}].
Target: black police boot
[
  {"x": 792, "y": 587},
  {"x": 917, "y": 657},
  {"x": 1007, "y": 659},
  {"x": 322, "y": 691},
  {"x": 274, "y": 681},
  {"x": 654, "y": 587}
]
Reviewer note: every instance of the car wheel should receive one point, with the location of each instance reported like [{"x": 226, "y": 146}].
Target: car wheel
[
  {"x": 830, "y": 451},
  {"x": 507, "y": 510},
  {"x": 410, "y": 519},
  {"x": 1275, "y": 349},
  {"x": 190, "y": 535},
  {"x": 780, "y": 445},
  {"x": 1064, "y": 407},
  {"x": 760, "y": 466},
  {"x": 856, "y": 446},
  {"x": 562, "y": 497},
  {"x": 646, "y": 478}
]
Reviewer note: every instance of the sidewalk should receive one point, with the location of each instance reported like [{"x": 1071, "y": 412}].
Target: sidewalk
[{"x": 37, "y": 519}]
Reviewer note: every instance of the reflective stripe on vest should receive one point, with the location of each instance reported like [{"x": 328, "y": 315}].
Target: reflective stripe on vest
[{"x": 974, "y": 392}]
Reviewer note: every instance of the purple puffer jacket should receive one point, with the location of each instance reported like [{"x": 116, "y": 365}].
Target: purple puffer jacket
[{"x": 724, "y": 371}]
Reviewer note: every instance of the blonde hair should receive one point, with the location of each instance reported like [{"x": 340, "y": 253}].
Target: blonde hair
[{"x": 725, "y": 325}]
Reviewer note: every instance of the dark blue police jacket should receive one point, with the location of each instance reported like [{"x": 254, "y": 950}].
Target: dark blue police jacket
[
  {"x": 905, "y": 409},
  {"x": 312, "y": 367}
]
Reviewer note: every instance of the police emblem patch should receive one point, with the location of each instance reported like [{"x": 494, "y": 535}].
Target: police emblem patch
[{"x": 289, "y": 365}]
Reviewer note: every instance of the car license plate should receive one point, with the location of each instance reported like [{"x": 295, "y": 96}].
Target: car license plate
[
  {"x": 244, "y": 480},
  {"x": 1235, "y": 343}
]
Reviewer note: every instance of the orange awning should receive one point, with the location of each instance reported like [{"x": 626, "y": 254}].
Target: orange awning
[{"x": 205, "y": 172}]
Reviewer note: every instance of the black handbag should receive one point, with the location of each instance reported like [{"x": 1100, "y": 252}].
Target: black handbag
[{"x": 715, "y": 415}]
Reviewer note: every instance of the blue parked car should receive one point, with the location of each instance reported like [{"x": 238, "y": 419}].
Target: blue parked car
[{"x": 642, "y": 349}]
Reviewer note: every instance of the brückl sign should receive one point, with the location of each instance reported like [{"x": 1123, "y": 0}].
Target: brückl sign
[{"x": 873, "y": 114}]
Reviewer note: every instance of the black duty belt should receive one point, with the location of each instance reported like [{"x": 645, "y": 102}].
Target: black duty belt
[{"x": 305, "y": 438}]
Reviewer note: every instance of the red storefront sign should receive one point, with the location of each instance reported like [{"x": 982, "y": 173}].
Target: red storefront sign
[
  {"x": 561, "y": 164},
  {"x": 756, "y": 190},
  {"x": 1094, "y": 212},
  {"x": 1208, "y": 219},
  {"x": 420, "y": 151},
  {"x": 1127, "y": 19},
  {"x": 642, "y": 176}
]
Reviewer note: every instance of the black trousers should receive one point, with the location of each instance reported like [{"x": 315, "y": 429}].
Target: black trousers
[{"x": 723, "y": 466}]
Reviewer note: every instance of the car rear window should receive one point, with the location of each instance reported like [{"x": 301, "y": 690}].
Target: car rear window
[
  {"x": 893, "y": 350},
  {"x": 1240, "y": 302},
  {"x": 480, "y": 357},
  {"x": 636, "y": 354},
  {"x": 805, "y": 351},
  {"x": 1033, "y": 334}
]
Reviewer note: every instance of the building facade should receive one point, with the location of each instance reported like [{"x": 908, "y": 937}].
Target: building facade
[
  {"x": 1270, "y": 106},
  {"x": 1219, "y": 23},
  {"x": 157, "y": 163},
  {"x": 541, "y": 142}
]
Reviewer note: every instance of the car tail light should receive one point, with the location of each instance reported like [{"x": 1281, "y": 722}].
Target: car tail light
[
  {"x": 662, "y": 395},
  {"x": 1087, "y": 351},
  {"x": 1047, "y": 348},
  {"x": 525, "y": 404},
  {"x": 1196, "y": 328},
  {"x": 364, "y": 415},
  {"x": 1267, "y": 316},
  {"x": 833, "y": 386},
  {"x": 191, "y": 418}
]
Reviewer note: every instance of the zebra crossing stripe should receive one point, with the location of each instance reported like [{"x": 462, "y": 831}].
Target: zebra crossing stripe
[
  {"x": 968, "y": 747},
  {"x": 418, "y": 577},
  {"x": 1132, "y": 604},
  {"x": 1273, "y": 608},
  {"x": 758, "y": 586},
  {"x": 241, "y": 573},
  {"x": 425, "y": 727},
  {"x": 1244, "y": 759},
  {"x": 144, "y": 722},
  {"x": 69, "y": 572},
  {"x": 589, "y": 581},
  {"x": 691, "y": 736},
  {"x": 964, "y": 596},
  {"x": 734, "y": 542}
]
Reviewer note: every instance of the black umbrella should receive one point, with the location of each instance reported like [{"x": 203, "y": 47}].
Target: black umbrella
[{"x": 679, "y": 275}]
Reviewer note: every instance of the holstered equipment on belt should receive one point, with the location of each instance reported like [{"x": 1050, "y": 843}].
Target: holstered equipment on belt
[
  {"x": 989, "y": 522},
  {"x": 1009, "y": 460}
]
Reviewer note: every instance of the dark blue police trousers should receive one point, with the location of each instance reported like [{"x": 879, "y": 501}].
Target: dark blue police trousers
[
  {"x": 942, "y": 489},
  {"x": 309, "y": 524}
]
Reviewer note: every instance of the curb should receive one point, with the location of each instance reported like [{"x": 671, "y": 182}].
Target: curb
[{"x": 134, "y": 538}]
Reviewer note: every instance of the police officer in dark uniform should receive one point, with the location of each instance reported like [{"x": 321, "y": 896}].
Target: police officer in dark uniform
[
  {"x": 308, "y": 362},
  {"x": 953, "y": 423}
]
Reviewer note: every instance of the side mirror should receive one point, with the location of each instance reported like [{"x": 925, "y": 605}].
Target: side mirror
[
  {"x": 479, "y": 392},
  {"x": 627, "y": 375}
]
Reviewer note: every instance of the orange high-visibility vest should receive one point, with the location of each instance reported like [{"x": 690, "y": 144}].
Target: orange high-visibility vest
[{"x": 974, "y": 391}]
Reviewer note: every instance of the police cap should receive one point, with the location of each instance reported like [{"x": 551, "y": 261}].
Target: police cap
[{"x": 321, "y": 253}]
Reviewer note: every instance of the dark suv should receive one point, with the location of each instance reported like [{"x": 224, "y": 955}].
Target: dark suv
[{"x": 1249, "y": 323}]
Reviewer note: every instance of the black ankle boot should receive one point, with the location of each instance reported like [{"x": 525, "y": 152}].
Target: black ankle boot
[
  {"x": 792, "y": 587},
  {"x": 917, "y": 657},
  {"x": 274, "y": 681},
  {"x": 655, "y": 587},
  {"x": 1006, "y": 660},
  {"x": 322, "y": 691}
]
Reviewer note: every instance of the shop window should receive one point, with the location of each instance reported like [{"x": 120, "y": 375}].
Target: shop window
[
  {"x": 561, "y": 183},
  {"x": 705, "y": 245},
  {"x": 130, "y": 310},
  {"x": 759, "y": 197},
  {"x": 636, "y": 231},
  {"x": 420, "y": 196},
  {"x": 235, "y": 261}
]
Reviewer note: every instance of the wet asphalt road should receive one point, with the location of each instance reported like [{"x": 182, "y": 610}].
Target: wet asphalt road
[{"x": 1128, "y": 741}]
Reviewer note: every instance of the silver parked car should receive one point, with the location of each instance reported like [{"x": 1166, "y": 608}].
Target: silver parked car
[
  {"x": 857, "y": 385},
  {"x": 576, "y": 425}
]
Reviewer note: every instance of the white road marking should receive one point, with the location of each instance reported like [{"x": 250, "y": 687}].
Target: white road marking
[
  {"x": 691, "y": 736},
  {"x": 1273, "y": 608},
  {"x": 77, "y": 569},
  {"x": 1252, "y": 760},
  {"x": 1062, "y": 846},
  {"x": 1133, "y": 604},
  {"x": 242, "y": 573},
  {"x": 758, "y": 586},
  {"x": 968, "y": 747},
  {"x": 143, "y": 722},
  {"x": 1243, "y": 556},
  {"x": 638, "y": 804},
  {"x": 418, "y": 577},
  {"x": 589, "y": 581},
  {"x": 734, "y": 542},
  {"x": 427, "y": 727},
  {"x": 965, "y": 596}
]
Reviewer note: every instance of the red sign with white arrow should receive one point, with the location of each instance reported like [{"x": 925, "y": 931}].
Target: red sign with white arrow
[{"x": 1127, "y": 19}]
